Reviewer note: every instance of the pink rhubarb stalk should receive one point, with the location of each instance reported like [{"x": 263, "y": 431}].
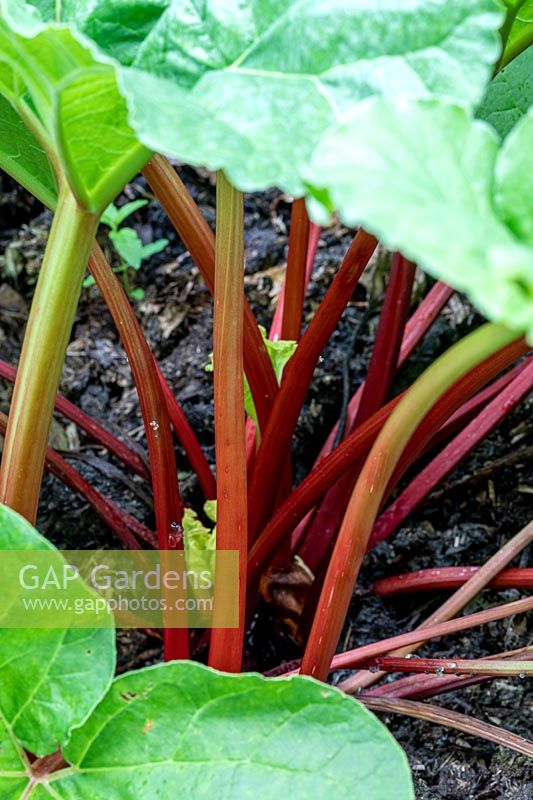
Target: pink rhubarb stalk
[
  {"x": 167, "y": 501},
  {"x": 200, "y": 242},
  {"x": 372, "y": 484},
  {"x": 381, "y": 371},
  {"x": 275, "y": 443},
  {"x": 226, "y": 648},
  {"x": 452, "y": 455},
  {"x": 443, "y": 578}
]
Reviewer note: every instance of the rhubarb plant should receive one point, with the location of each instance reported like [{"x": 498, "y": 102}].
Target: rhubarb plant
[
  {"x": 148, "y": 731},
  {"x": 367, "y": 112}
]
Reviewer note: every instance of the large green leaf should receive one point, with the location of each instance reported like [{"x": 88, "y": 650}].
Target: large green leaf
[
  {"x": 183, "y": 730},
  {"x": 66, "y": 90},
  {"x": 230, "y": 737},
  {"x": 429, "y": 181},
  {"x": 50, "y": 679},
  {"x": 251, "y": 86},
  {"x": 510, "y": 94}
]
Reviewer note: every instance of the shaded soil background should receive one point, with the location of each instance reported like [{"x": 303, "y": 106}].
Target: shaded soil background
[{"x": 462, "y": 524}]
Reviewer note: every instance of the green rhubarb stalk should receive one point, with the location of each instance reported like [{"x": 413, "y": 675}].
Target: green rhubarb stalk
[
  {"x": 43, "y": 352},
  {"x": 230, "y": 437},
  {"x": 371, "y": 487}
]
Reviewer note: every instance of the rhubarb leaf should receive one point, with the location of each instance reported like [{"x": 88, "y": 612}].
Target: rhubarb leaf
[
  {"x": 56, "y": 78},
  {"x": 521, "y": 33},
  {"x": 514, "y": 184},
  {"x": 50, "y": 678},
  {"x": 230, "y": 736},
  {"x": 429, "y": 181},
  {"x": 280, "y": 351},
  {"x": 510, "y": 94},
  {"x": 22, "y": 157},
  {"x": 250, "y": 87},
  {"x": 199, "y": 544},
  {"x": 229, "y": 85},
  {"x": 13, "y": 765}
]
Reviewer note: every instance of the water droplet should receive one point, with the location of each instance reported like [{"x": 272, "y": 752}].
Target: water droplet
[
  {"x": 452, "y": 665},
  {"x": 522, "y": 676},
  {"x": 439, "y": 671},
  {"x": 373, "y": 669},
  {"x": 175, "y": 536},
  {"x": 154, "y": 424}
]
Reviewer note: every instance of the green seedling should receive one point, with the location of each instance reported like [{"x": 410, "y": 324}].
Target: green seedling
[{"x": 128, "y": 245}]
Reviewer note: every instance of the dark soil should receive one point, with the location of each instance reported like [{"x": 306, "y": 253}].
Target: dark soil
[{"x": 463, "y": 524}]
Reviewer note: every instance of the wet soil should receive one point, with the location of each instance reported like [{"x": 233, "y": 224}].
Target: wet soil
[{"x": 463, "y": 524}]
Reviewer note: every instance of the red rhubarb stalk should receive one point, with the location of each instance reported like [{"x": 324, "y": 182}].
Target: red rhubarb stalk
[
  {"x": 351, "y": 659},
  {"x": 91, "y": 427},
  {"x": 415, "y": 330},
  {"x": 332, "y": 467},
  {"x": 450, "y": 719},
  {"x": 275, "y": 330},
  {"x": 447, "y": 666},
  {"x": 200, "y": 242},
  {"x": 424, "y": 686},
  {"x": 125, "y": 527},
  {"x": 293, "y": 300},
  {"x": 464, "y": 415},
  {"x": 312, "y": 246},
  {"x": 372, "y": 484},
  {"x": 381, "y": 371},
  {"x": 167, "y": 501},
  {"x": 227, "y": 644},
  {"x": 444, "y": 578},
  {"x": 452, "y": 455},
  {"x": 297, "y": 376},
  {"x": 462, "y": 596}
]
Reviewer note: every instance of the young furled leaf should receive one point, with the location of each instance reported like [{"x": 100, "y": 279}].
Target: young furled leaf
[{"x": 279, "y": 351}]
